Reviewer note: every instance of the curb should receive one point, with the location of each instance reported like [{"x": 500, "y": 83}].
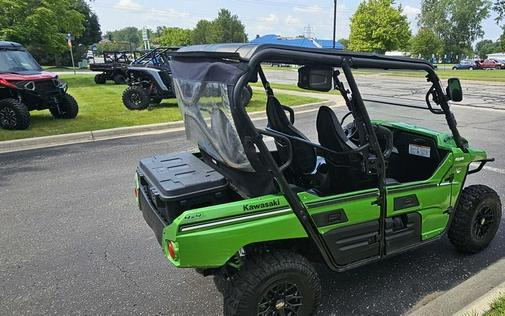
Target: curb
[
  {"x": 460, "y": 300},
  {"x": 483, "y": 304},
  {"x": 121, "y": 132}
]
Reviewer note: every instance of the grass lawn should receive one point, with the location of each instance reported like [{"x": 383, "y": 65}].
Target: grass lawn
[
  {"x": 100, "y": 107},
  {"x": 497, "y": 308}
]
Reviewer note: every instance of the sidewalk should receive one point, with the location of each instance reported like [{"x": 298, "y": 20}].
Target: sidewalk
[{"x": 473, "y": 295}]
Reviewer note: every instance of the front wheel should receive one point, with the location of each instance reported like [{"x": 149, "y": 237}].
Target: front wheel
[
  {"x": 276, "y": 283},
  {"x": 136, "y": 98},
  {"x": 67, "y": 108},
  {"x": 471, "y": 68},
  {"x": 476, "y": 220},
  {"x": 14, "y": 114}
]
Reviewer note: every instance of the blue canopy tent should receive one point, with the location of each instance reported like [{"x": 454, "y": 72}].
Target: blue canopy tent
[{"x": 297, "y": 41}]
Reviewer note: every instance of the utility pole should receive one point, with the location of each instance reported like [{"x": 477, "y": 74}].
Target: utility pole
[
  {"x": 69, "y": 43},
  {"x": 335, "y": 2}
]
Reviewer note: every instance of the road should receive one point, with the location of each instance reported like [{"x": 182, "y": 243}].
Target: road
[
  {"x": 73, "y": 242},
  {"x": 375, "y": 84}
]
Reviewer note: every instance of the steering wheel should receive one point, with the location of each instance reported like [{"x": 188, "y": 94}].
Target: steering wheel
[
  {"x": 349, "y": 129},
  {"x": 384, "y": 136}
]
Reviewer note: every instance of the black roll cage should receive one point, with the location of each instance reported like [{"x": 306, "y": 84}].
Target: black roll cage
[{"x": 252, "y": 139}]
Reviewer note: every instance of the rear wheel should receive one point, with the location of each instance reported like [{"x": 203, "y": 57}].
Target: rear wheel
[
  {"x": 14, "y": 114},
  {"x": 156, "y": 100},
  {"x": 67, "y": 109},
  {"x": 471, "y": 68},
  {"x": 119, "y": 79},
  {"x": 100, "y": 79},
  {"x": 476, "y": 220},
  {"x": 136, "y": 98},
  {"x": 276, "y": 283}
]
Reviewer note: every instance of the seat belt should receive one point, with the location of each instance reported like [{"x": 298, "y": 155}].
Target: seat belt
[{"x": 264, "y": 81}]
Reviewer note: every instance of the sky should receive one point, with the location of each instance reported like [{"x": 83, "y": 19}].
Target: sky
[{"x": 281, "y": 17}]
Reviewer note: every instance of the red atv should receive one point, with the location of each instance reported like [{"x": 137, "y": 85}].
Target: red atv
[{"x": 25, "y": 87}]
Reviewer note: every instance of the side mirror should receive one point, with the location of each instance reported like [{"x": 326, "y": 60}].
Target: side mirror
[
  {"x": 454, "y": 90},
  {"x": 315, "y": 78}
]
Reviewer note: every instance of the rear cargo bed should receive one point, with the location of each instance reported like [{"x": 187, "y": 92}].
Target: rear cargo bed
[{"x": 177, "y": 182}]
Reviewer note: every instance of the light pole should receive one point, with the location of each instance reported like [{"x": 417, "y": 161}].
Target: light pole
[{"x": 334, "y": 21}]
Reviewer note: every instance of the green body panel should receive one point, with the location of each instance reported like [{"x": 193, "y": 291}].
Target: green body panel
[{"x": 208, "y": 237}]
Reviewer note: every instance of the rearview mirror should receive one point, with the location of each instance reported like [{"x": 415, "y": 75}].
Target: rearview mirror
[
  {"x": 315, "y": 78},
  {"x": 454, "y": 90}
]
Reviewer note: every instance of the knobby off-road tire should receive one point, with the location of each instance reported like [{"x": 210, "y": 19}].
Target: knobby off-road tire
[
  {"x": 68, "y": 108},
  {"x": 247, "y": 94},
  {"x": 14, "y": 114},
  {"x": 119, "y": 79},
  {"x": 100, "y": 79},
  {"x": 156, "y": 100},
  {"x": 278, "y": 281},
  {"x": 136, "y": 98},
  {"x": 476, "y": 220}
]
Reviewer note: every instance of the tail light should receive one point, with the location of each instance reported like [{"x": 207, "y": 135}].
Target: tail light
[{"x": 171, "y": 250}]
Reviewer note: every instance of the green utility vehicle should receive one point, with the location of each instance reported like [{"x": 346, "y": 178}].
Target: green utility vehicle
[{"x": 257, "y": 214}]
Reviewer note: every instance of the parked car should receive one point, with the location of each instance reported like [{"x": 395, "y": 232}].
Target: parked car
[
  {"x": 501, "y": 62},
  {"x": 489, "y": 64},
  {"x": 466, "y": 64},
  {"x": 25, "y": 87}
]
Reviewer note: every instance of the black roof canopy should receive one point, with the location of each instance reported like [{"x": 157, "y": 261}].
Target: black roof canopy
[{"x": 282, "y": 53}]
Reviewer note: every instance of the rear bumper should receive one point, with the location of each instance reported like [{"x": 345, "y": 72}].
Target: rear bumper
[{"x": 151, "y": 215}]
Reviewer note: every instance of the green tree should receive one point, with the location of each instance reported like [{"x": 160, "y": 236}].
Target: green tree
[
  {"x": 130, "y": 34},
  {"x": 425, "y": 44},
  {"x": 377, "y": 26},
  {"x": 499, "y": 7},
  {"x": 458, "y": 23},
  {"x": 226, "y": 28},
  {"x": 203, "y": 33},
  {"x": 345, "y": 42},
  {"x": 40, "y": 25},
  {"x": 174, "y": 36},
  {"x": 486, "y": 47}
]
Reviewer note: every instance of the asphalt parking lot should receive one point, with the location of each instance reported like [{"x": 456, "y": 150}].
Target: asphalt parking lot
[{"x": 73, "y": 241}]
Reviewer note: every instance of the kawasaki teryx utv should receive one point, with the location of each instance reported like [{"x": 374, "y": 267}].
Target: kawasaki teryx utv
[
  {"x": 25, "y": 87},
  {"x": 257, "y": 214},
  {"x": 114, "y": 67}
]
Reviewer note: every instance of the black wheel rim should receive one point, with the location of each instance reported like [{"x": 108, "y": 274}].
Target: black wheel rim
[
  {"x": 281, "y": 298},
  {"x": 136, "y": 99},
  {"x": 483, "y": 222},
  {"x": 8, "y": 117}
]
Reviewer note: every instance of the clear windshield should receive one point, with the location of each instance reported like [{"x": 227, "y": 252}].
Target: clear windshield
[
  {"x": 208, "y": 121},
  {"x": 17, "y": 61}
]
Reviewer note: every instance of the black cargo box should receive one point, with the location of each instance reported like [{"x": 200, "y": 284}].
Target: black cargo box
[{"x": 178, "y": 182}]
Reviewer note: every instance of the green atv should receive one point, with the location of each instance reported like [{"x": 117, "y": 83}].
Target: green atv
[{"x": 257, "y": 215}]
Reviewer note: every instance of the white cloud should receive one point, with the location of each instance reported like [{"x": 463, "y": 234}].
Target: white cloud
[
  {"x": 313, "y": 9},
  {"x": 149, "y": 13},
  {"x": 411, "y": 13},
  {"x": 129, "y": 5},
  {"x": 291, "y": 20},
  {"x": 271, "y": 19}
]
